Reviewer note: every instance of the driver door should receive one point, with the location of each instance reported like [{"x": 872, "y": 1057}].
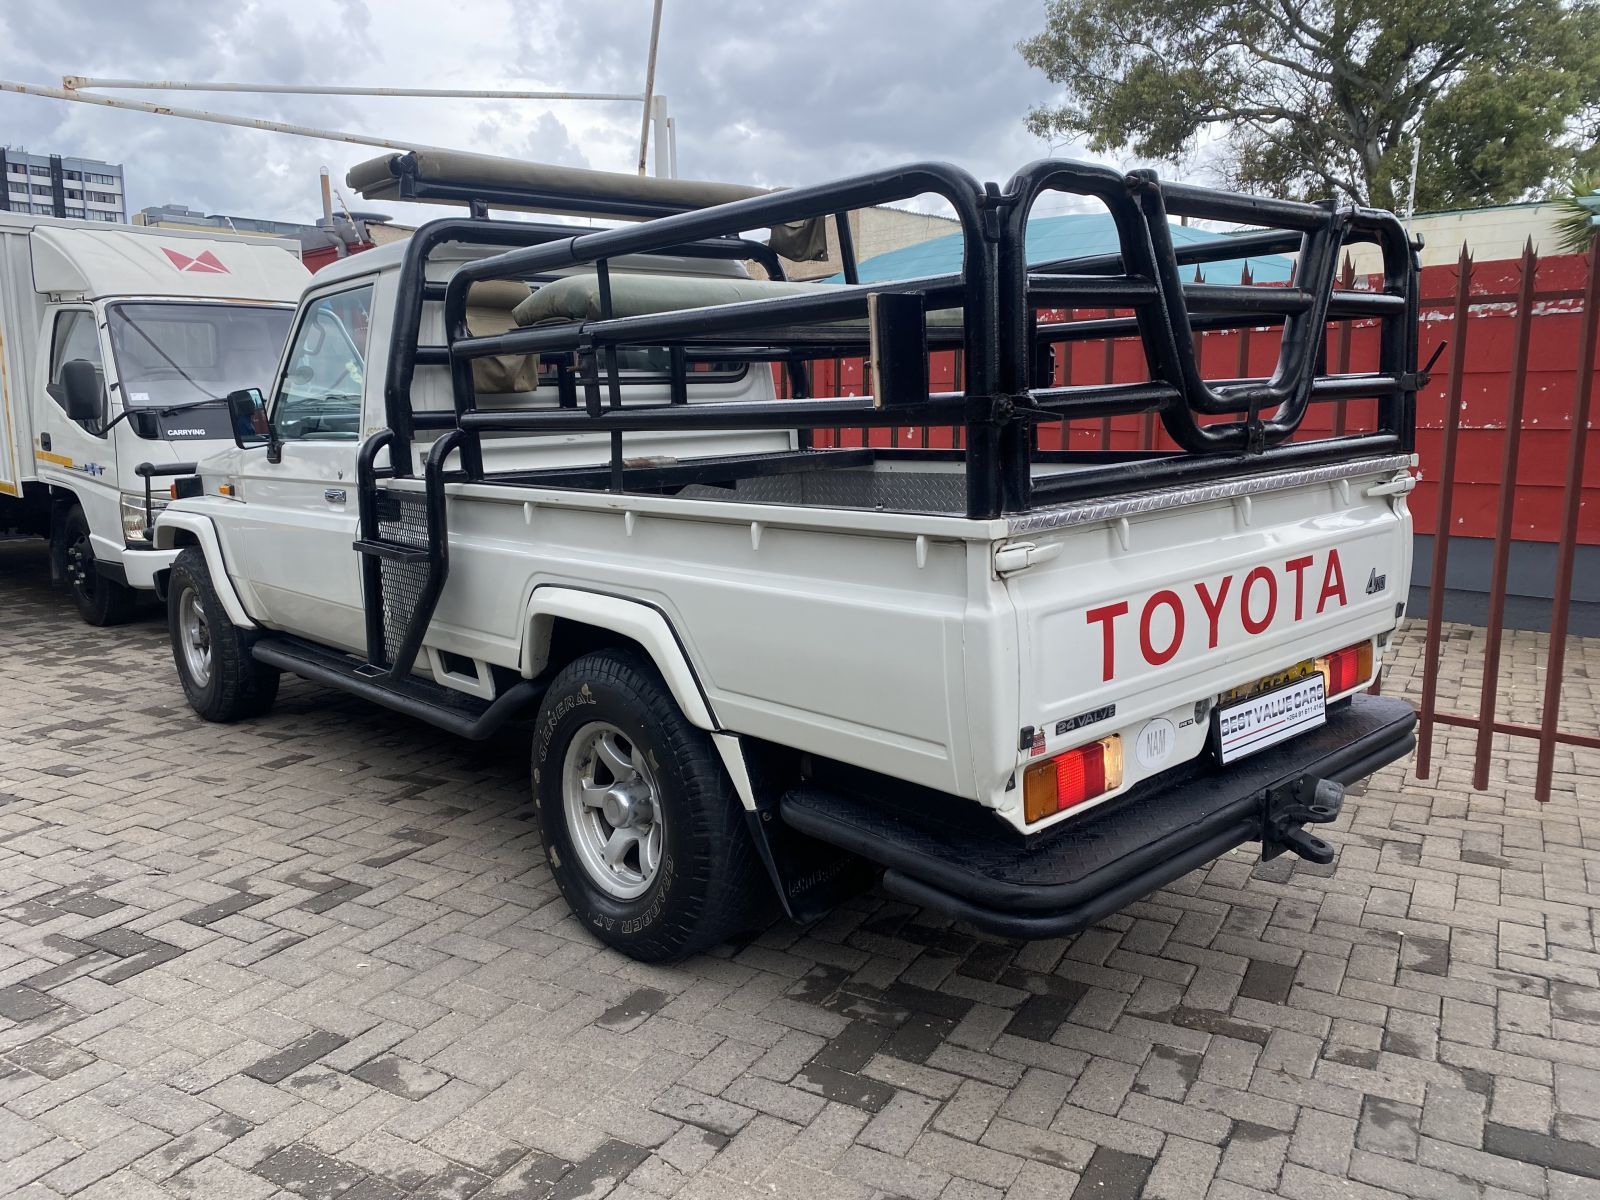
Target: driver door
[
  {"x": 81, "y": 459},
  {"x": 299, "y": 515}
]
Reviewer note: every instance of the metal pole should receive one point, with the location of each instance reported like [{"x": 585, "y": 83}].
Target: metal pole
[
  {"x": 1500, "y": 569},
  {"x": 663, "y": 149},
  {"x": 1445, "y": 505},
  {"x": 1572, "y": 506},
  {"x": 74, "y": 83},
  {"x": 649, "y": 84},
  {"x": 1110, "y": 371},
  {"x": 195, "y": 114},
  {"x": 1347, "y": 280},
  {"x": 1411, "y": 190}
]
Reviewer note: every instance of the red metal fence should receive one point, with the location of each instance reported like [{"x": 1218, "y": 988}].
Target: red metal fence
[
  {"x": 1502, "y": 441},
  {"x": 1552, "y": 345}
]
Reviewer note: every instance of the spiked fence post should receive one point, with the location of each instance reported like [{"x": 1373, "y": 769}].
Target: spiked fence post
[
  {"x": 1446, "y": 503},
  {"x": 1567, "y": 546},
  {"x": 1502, "y": 533}
]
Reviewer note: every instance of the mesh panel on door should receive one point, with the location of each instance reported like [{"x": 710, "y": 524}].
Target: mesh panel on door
[{"x": 403, "y": 519}]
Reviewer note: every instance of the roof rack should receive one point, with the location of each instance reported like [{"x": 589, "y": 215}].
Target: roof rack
[
  {"x": 441, "y": 177},
  {"x": 484, "y": 181}
]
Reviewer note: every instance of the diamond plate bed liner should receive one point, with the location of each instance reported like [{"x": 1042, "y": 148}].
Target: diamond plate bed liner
[{"x": 1063, "y": 880}]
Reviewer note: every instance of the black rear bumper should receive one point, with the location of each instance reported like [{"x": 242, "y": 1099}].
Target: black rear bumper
[{"x": 1059, "y": 882}]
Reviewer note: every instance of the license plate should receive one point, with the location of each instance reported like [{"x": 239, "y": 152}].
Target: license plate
[{"x": 1270, "y": 717}]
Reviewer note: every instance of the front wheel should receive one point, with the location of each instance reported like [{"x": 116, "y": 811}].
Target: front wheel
[
  {"x": 99, "y": 600},
  {"x": 642, "y": 827},
  {"x": 221, "y": 679}
]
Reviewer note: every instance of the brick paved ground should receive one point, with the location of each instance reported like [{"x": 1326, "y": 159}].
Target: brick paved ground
[{"x": 320, "y": 956}]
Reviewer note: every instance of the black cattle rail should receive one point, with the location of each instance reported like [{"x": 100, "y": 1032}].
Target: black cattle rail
[
  {"x": 1167, "y": 313},
  {"x": 415, "y": 289},
  {"x": 790, "y": 329},
  {"x": 1004, "y": 389}
]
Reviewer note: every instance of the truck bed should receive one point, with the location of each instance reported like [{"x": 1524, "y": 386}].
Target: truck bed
[{"x": 817, "y": 621}]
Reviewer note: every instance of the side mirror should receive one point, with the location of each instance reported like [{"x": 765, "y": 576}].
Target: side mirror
[
  {"x": 84, "y": 395},
  {"x": 247, "y": 414}
]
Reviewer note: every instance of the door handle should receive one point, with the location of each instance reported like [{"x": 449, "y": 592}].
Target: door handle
[
  {"x": 44, "y": 441},
  {"x": 334, "y": 495}
]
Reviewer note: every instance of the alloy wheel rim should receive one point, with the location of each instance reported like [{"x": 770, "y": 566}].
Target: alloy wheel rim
[
  {"x": 194, "y": 638},
  {"x": 613, "y": 810}
]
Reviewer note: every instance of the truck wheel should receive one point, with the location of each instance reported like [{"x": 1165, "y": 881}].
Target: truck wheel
[
  {"x": 100, "y": 601},
  {"x": 220, "y": 678},
  {"x": 643, "y": 830}
]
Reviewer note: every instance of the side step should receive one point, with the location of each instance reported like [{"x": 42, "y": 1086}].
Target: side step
[{"x": 463, "y": 715}]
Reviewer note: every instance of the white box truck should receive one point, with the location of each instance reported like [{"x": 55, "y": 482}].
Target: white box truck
[{"x": 118, "y": 345}]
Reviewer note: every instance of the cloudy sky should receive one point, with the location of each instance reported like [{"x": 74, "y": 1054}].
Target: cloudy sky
[{"x": 763, "y": 92}]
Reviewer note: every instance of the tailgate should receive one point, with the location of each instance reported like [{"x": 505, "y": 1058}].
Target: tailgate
[{"x": 1155, "y": 605}]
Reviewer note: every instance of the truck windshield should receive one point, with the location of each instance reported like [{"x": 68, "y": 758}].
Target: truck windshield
[{"x": 170, "y": 354}]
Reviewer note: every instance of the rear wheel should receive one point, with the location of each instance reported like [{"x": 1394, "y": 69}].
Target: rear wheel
[
  {"x": 643, "y": 829},
  {"x": 99, "y": 601},
  {"x": 221, "y": 679}
]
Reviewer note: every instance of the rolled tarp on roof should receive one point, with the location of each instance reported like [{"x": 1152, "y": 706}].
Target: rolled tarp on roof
[{"x": 453, "y": 177}]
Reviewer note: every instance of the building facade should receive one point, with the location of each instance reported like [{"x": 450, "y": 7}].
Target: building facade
[
  {"x": 1492, "y": 234},
  {"x": 55, "y": 185},
  {"x": 875, "y": 231},
  {"x": 181, "y": 216}
]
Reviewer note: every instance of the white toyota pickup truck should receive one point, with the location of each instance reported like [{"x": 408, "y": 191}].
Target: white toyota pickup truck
[{"x": 515, "y": 469}]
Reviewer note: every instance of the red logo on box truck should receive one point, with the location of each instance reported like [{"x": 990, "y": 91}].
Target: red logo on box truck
[{"x": 1252, "y": 600}]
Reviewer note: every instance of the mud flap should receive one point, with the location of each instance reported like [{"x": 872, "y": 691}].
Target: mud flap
[{"x": 811, "y": 877}]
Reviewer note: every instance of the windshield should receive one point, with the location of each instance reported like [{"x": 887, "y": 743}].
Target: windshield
[{"x": 170, "y": 354}]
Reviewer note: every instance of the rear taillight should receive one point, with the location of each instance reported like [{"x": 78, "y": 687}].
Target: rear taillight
[
  {"x": 1346, "y": 669},
  {"x": 1069, "y": 779}
]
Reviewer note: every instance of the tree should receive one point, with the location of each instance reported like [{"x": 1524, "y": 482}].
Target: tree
[
  {"x": 1311, "y": 98},
  {"x": 1580, "y": 214}
]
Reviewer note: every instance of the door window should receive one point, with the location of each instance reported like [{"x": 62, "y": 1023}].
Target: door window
[
  {"x": 319, "y": 399},
  {"x": 74, "y": 337}
]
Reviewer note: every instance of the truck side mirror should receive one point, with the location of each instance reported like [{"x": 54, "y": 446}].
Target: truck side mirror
[
  {"x": 84, "y": 396},
  {"x": 247, "y": 414}
]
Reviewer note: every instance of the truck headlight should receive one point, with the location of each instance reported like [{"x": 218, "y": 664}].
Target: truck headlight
[{"x": 134, "y": 532}]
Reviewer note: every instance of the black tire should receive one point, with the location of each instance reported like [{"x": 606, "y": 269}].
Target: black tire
[
  {"x": 99, "y": 601},
  {"x": 234, "y": 685},
  {"x": 708, "y": 883}
]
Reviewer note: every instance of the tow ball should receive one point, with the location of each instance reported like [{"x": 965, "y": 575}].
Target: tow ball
[{"x": 1289, "y": 808}]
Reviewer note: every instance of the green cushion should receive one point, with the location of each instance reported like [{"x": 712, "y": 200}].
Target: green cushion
[{"x": 577, "y": 297}]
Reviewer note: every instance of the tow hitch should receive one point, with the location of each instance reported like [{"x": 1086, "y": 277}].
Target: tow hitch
[{"x": 1290, "y": 807}]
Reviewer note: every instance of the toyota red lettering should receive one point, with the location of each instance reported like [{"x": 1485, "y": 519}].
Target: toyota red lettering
[
  {"x": 1168, "y": 599},
  {"x": 1165, "y": 627}
]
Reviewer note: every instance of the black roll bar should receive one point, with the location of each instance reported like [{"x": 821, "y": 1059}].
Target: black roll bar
[{"x": 975, "y": 284}]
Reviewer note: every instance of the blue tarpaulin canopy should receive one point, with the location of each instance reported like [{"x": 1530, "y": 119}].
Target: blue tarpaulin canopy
[{"x": 1070, "y": 236}]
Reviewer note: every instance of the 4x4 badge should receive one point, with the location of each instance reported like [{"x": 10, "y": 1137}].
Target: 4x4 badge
[{"x": 1376, "y": 583}]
